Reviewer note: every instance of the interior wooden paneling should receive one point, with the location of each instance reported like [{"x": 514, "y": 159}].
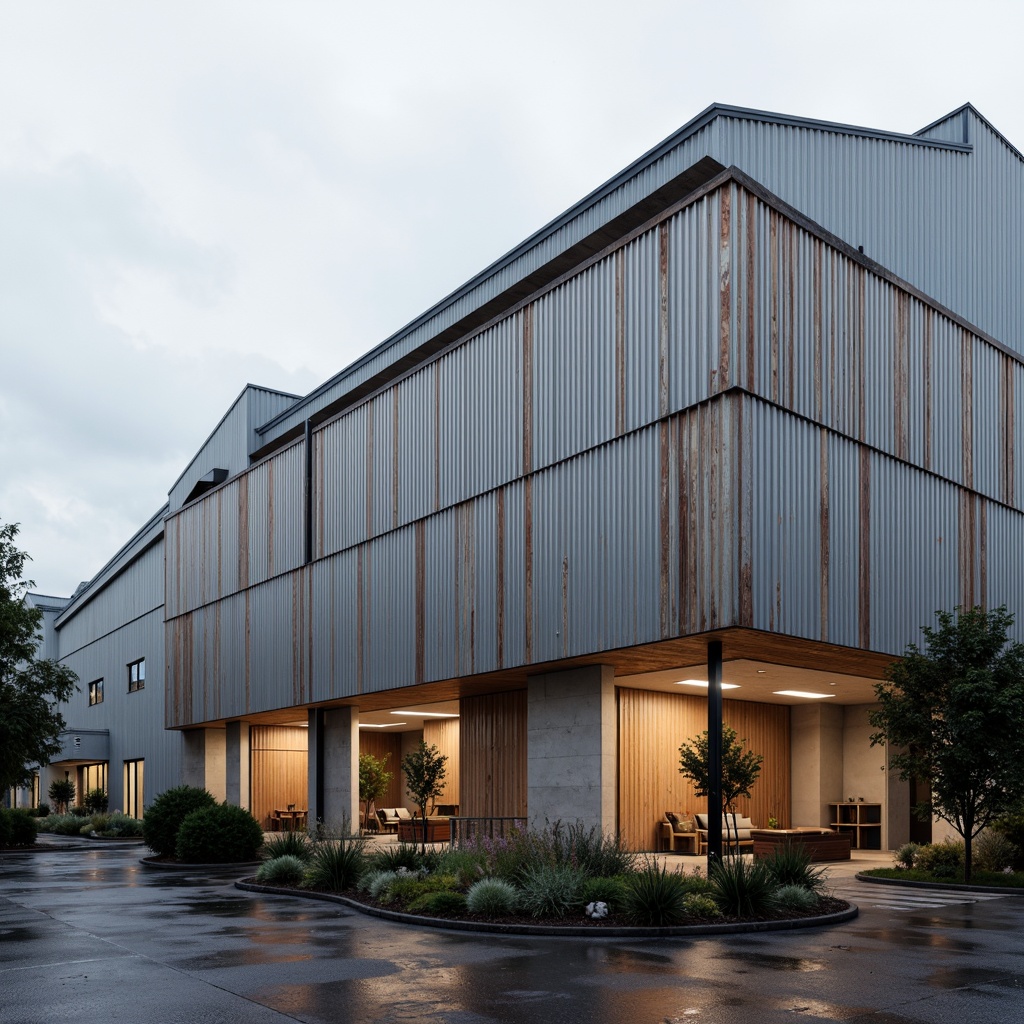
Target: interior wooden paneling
[
  {"x": 443, "y": 733},
  {"x": 652, "y": 727},
  {"x": 279, "y": 756},
  {"x": 386, "y": 745},
  {"x": 492, "y": 742}
]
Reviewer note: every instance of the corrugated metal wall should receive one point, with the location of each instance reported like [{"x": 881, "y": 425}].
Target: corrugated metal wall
[{"x": 794, "y": 511}]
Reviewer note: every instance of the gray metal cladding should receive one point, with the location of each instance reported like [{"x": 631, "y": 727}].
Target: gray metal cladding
[
  {"x": 842, "y": 494},
  {"x": 389, "y": 619},
  {"x": 226, "y": 448},
  {"x": 417, "y": 446},
  {"x": 337, "y": 625},
  {"x": 136, "y": 592},
  {"x": 342, "y": 481},
  {"x": 1004, "y": 581}
]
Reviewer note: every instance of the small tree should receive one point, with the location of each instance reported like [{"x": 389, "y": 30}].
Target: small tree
[
  {"x": 424, "y": 772},
  {"x": 30, "y": 688},
  {"x": 62, "y": 793},
  {"x": 374, "y": 779},
  {"x": 740, "y": 769},
  {"x": 956, "y": 715}
]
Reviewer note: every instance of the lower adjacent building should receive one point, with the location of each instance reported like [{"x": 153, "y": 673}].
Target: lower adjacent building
[{"x": 762, "y": 389}]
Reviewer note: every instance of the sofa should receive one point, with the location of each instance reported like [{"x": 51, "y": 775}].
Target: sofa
[
  {"x": 736, "y": 831},
  {"x": 390, "y": 817}
]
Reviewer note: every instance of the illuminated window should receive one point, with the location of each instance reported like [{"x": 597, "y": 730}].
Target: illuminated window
[
  {"x": 96, "y": 692},
  {"x": 137, "y": 675},
  {"x": 133, "y": 789}
]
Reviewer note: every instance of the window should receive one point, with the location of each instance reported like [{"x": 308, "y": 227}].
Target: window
[
  {"x": 94, "y": 776},
  {"x": 96, "y": 692},
  {"x": 137, "y": 675},
  {"x": 133, "y": 778}
]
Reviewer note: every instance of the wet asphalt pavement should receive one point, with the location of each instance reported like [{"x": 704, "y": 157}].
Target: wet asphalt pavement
[{"x": 92, "y": 936}]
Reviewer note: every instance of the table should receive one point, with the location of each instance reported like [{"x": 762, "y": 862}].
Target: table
[
  {"x": 289, "y": 819},
  {"x": 820, "y": 844}
]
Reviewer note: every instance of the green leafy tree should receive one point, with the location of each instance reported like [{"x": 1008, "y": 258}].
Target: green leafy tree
[
  {"x": 62, "y": 793},
  {"x": 740, "y": 768},
  {"x": 424, "y": 771},
  {"x": 954, "y": 714},
  {"x": 31, "y": 688},
  {"x": 374, "y": 779}
]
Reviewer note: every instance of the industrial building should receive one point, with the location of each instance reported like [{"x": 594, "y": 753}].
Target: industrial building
[{"x": 761, "y": 388}]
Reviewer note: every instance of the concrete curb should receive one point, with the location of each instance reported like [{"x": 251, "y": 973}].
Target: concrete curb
[
  {"x": 1007, "y": 890},
  {"x": 163, "y": 865},
  {"x": 576, "y": 931}
]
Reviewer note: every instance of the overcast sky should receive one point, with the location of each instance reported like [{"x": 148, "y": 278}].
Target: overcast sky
[{"x": 194, "y": 196}]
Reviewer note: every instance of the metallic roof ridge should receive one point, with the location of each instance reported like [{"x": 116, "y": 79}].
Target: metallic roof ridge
[
  {"x": 652, "y": 155},
  {"x": 972, "y": 109}
]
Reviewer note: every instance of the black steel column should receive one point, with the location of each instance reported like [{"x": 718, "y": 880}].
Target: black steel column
[{"x": 714, "y": 751}]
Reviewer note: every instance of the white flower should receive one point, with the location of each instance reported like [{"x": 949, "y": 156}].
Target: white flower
[{"x": 597, "y": 909}]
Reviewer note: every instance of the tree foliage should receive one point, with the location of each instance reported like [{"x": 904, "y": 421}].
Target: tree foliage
[
  {"x": 424, "y": 770},
  {"x": 740, "y": 768},
  {"x": 954, "y": 715},
  {"x": 30, "y": 688},
  {"x": 374, "y": 779}
]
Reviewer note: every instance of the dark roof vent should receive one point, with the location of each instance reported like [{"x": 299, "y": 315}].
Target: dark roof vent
[{"x": 204, "y": 483}]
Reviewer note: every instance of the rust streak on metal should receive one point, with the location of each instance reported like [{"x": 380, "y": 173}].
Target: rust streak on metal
[
  {"x": 499, "y": 562},
  {"x": 370, "y": 410},
  {"x": 663, "y": 322},
  {"x": 724, "y": 288},
  {"x": 243, "y": 531},
  {"x": 528, "y": 567},
  {"x": 665, "y": 527},
  {"x": 929, "y": 321},
  {"x": 620, "y": 342},
  {"x": 742, "y": 448},
  {"x": 773, "y": 335},
  {"x": 437, "y": 436},
  {"x": 864, "y": 574},
  {"x": 527, "y": 390},
  {"x": 394, "y": 458},
  {"x": 421, "y": 599},
  {"x": 900, "y": 374},
  {"x": 751, "y": 289},
  {"x": 818, "y": 351},
  {"x": 711, "y": 563},
  {"x": 967, "y": 406},
  {"x": 824, "y": 547}
]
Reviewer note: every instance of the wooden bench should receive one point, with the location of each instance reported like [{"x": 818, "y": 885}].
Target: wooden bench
[
  {"x": 819, "y": 843},
  {"x": 438, "y": 830}
]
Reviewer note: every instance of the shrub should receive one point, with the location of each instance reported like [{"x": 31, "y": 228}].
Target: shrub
[
  {"x": 222, "y": 834},
  {"x": 61, "y": 792},
  {"x": 467, "y": 865},
  {"x": 492, "y": 897},
  {"x": 367, "y": 879},
  {"x": 742, "y": 888},
  {"x": 120, "y": 826},
  {"x": 906, "y": 855},
  {"x": 336, "y": 864},
  {"x": 17, "y": 827},
  {"x": 1012, "y": 827},
  {"x": 79, "y": 811},
  {"x": 993, "y": 851},
  {"x": 406, "y": 889},
  {"x": 590, "y": 852},
  {"x": 381, "y": 882},
  {"x": 162, "y": 821},
  {"x": 42, "y": 810},
  {"x": 288, "y": 844},
  {"x": 795, "y": 897},
  {"x": 551, "y": 890},
  {"x": 62, "y": 824},
  {"x": 284, "y": 870},
  {"x": 96, "y": 800},
  {"x": 611, "y": 891},
  {"x": 655, "y": 897},
  {"x": 943, "y": 860},
  {"x": 791, "y": 865},
  {"x": 401, "y": 855},
  {"x": 439, "y": 904},
  {"x": 701, "y": 906}
]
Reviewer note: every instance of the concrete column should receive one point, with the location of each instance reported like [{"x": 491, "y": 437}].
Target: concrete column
[
  {"x": 204, "y": 760},
  {"x": 571, "y": 748},
  {"x": 816, "y": 762},
  {"x": 334, "y": 767},
  {"x": 236, "y": 764}
]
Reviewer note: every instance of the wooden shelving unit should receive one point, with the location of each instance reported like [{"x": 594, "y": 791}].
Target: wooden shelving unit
[{"x": 860, "y": 821}]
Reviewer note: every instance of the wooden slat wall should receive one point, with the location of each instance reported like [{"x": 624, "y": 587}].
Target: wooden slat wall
[
  {"x": 492, "y": 743},
  {"x": 653, "y": 725},
  {"x": 279, "y": 755},
  {"x": 386, "y": 745},
  {"x": 443, "y": 733}
]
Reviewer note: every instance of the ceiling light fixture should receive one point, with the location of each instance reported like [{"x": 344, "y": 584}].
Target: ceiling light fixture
[
  {"x": 700, "y": 682},
  {"x": 802, "y": 693},
  {"x": 424, "y": 714},
  {"x": 386, "y": 725}
]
